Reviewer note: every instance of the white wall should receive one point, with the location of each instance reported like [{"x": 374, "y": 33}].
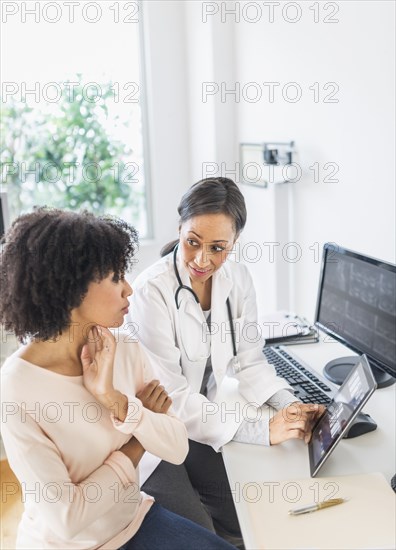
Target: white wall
[
  {"x": 357, "y": 133},
  {"x": 357, "y": 53},
  {"x": 167, "y": 105}
]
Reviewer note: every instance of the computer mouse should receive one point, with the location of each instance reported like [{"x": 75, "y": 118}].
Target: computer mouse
[{"x": 362, "y": 424}]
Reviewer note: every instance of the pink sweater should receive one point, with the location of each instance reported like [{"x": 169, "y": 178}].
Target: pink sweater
[{"x": 79, "y": 490}]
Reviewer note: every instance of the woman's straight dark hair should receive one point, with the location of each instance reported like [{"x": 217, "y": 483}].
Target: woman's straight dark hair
[{"x": 211, "y": 196}]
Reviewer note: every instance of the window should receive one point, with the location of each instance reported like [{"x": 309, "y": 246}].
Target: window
[{"x": 72, "y": 119}]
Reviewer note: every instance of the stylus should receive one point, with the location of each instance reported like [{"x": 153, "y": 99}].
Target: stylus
[{"x": 318, "y": 506}]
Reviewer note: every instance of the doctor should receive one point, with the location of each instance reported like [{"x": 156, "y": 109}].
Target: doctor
[{"x": 195, "y": 313}]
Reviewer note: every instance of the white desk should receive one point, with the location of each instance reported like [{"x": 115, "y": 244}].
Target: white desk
[{"x": 373, "y": 452}]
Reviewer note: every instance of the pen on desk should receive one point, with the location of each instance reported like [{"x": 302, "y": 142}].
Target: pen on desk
[{"x": 318, "y": 506}]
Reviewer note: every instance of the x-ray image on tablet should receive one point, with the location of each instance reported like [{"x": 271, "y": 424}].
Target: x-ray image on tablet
[{"x": 340, "y": 413}]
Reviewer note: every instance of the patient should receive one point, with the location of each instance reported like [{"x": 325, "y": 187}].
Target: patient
[{"x": 80, "y": 407}]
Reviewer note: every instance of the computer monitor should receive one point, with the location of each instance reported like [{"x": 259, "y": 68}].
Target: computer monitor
[
  {"x": 356, "y": 306},
  {"x": 4, "y": 216}
]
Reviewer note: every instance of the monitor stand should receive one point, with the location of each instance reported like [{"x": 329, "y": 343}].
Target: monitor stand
[{"x": 338, "y": 369}]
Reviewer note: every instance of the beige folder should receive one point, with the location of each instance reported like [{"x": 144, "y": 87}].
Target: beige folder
[{"x": 366, "y": 521}]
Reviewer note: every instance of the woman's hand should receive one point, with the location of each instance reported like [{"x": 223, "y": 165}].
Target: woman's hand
[
  {"x": 294, "y": 422},
  {"x": 154, "y": 397},
  {"x": 97, "y": 358}
]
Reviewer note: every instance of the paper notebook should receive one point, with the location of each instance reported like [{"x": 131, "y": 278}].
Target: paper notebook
[{"x": 366, "y": 521}]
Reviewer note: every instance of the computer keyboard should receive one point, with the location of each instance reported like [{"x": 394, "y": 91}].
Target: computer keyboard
[{"x": 308, "y": 386}]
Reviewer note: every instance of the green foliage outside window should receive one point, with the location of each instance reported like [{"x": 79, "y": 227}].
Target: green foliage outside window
[{"x": 65, "y": 155}]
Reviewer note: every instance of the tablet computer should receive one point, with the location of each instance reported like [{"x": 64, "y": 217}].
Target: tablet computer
[{"x": 340, "y": 413}]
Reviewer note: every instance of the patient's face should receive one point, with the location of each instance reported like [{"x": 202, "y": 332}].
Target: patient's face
[
  {"x": 105, "y": 304},
  {"x": 205, "y": 242}
]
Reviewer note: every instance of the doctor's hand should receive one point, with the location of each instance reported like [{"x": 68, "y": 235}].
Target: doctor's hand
[
  {"x": 154, "y": 397},
  {"x": 294, "y": 422}
]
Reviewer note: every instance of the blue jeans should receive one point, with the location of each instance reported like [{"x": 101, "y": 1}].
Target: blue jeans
[
  {"x": 164, "y": 530},
  {"x": 198, "y": 490}
]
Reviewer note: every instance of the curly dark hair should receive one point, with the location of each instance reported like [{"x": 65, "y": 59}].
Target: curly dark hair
[{"x": 48, "y": 259}]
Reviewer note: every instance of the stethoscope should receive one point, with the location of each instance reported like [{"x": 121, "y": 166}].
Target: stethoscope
[{"x": 181, "y": 287}]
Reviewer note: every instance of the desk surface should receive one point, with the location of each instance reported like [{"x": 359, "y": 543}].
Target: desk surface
[{"x": 372, "y": 452}]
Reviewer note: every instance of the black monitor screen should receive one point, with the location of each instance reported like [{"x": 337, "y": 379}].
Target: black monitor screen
[{"x": 356, "y": 304}]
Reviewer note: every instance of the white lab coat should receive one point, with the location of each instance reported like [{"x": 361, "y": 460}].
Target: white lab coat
[{"x": 178, "y": 344}]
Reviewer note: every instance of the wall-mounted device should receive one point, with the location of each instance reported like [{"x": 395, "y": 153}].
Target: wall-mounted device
[
  {"x": 265, "y": 163},
  {"x": 278, "y": 153}
]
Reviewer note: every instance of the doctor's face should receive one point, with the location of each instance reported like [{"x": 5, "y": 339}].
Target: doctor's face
[{"x": 205, "y": 242}]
